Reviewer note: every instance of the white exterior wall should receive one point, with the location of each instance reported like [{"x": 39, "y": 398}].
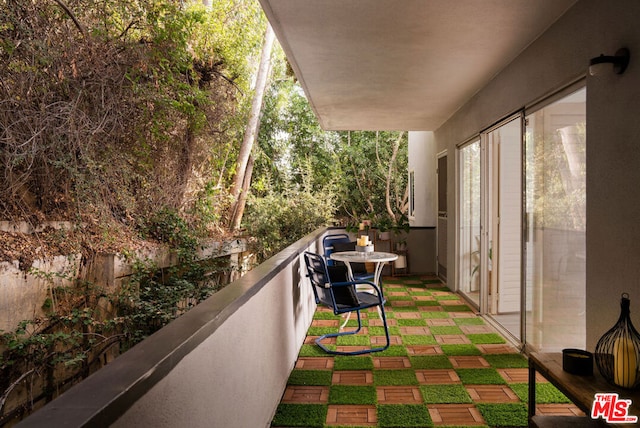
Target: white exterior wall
[{"x": 422, "y": 152}]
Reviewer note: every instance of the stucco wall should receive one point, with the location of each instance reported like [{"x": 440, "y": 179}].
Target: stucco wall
[
  {"x": 561, "y": 56},
  {"x": 421, "y": 147}
]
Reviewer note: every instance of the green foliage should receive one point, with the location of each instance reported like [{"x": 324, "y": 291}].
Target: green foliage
[{"x": 279, "y": 219}]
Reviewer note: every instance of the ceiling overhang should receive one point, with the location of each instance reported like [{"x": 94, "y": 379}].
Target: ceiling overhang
[{"x": 402, "y": 65}]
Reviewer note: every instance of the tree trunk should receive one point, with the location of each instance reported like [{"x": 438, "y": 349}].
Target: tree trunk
[
  {"x": 251, "y": 131},
  {"x": 238, "y": 212},
  {"x": 392, "y": 161}
]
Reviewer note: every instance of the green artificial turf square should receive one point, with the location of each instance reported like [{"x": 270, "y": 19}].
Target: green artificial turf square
[
  {"x": 353, "y": 340},
  {"x": 310, "y": 377},
  {"x": 460, "y": 350},
  {"x": 322, "y": 315},
  {"x": 403, "y": 416},
  {"x": 504, "y": 414},
  {"x": 445, "y": 329},
  {"x": 300, "y": 415},
  {"x": 445, "y": 394},
  {"x": 426, "y": 303},
  {"x": 434, "y": 315},
  {"x": 486, "y": 338},
  {"x": 480, "y": 377},
  {"x": 393, "y": 351},
  {"x": 412, "y": 322},
  {"x": 352, "y": 394},
  {"x": 352, "y": 324},
  {"x": 456, "y": 308},
  {"x": 379, "y": 331},
  {"x": 469, "y": 321},
  {"x": 447, "y": 297},
  {"x": 420, "y": 293},
  {"x": 546, "y": 393},
  {"x": 399, "y": 298},
  {"x": 507, "y": 361},
  {"x": 313, "y": 350},
  {"x": 321, "y": 331},
  {"x": 419, "y": 339},
  {"x": 352, "y": 362},
  {"x": 394, "y": 377},
  {"x": 427, "y": 362}
]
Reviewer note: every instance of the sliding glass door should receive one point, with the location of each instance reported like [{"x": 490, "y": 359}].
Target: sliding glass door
[
  {"x": 555, "y": 183},
  {"x": 504, "y": 224},
  {"x": 469, "y": 269}
]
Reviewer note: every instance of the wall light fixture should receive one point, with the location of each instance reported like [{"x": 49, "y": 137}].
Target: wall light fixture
[{"x": 602, "y": 64}]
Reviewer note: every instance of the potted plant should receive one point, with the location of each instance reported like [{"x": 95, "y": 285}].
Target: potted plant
[{"x": 384, "y": 225}]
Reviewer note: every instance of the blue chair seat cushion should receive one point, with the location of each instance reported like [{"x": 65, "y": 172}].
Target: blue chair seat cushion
[{"x": 345, "y": 295}]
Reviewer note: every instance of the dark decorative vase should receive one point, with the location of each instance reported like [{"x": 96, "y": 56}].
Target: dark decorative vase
[{"x": 618, "y": 351}]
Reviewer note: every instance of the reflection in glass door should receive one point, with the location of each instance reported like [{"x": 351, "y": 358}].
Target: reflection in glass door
[
  {"x": 555, "y": 182},
  {"x": 469, "y": 222},
  {"x": 504, "y": 223}
]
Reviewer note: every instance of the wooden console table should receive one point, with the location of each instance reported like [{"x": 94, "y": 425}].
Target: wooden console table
[{"x": 579, "y": 389}]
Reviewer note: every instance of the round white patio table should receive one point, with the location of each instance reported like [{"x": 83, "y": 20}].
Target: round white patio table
[{"x": 377, "y": 257}]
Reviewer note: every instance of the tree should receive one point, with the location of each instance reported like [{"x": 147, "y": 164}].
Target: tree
[{"x": 243, "y": 173}]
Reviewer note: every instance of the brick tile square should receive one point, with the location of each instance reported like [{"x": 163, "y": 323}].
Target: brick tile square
[
  {"x": 415, "y": 330},
  {"x": 381, "y": 340},
  {"x": 463, "y": 314},
  {"x": 352, "y": 377},
  {"x": 402, "y": 303},
  {"x": 430, "y": 309},
  {"x": 520, "y": 375},
  {"x": 325, "y": 323},
  {"x": 476, "y": 329},
  {"x": 455, "y": 414},
  {"x": 311, "y": 340},
  {"x": 496, "y": 348},
  {"x": 399, "y": 395},
  {"x": 558, "y": 410},
  {"x": 451, "y": 302},
  {"x": 352, "y": 415},
  {"x": 440, "y": 322},
  {"x": 351, "y": 348},
  {"x": 452, "y": 339},
  {"x": 424, "y": 298},
  {"x": 408, "y": 315},
  {"x": 306, "y": 394},
  {"x": 379, "y": 323},
  {"x": 437, "y": 377},
  {"x": 397, "y": 293},
  {"x": 469, "y": 362},
  {"x": 315, "y": 363},
  {"x": 492, "y": 394},
  {"x": 391, "y": 363},
  {"x": 424, "y": 350}
]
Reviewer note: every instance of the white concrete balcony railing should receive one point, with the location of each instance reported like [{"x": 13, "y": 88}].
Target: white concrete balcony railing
[{"x": 225, "y": 363}]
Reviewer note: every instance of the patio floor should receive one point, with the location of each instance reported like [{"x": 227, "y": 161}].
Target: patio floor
[{"x": 445, "y": 367}]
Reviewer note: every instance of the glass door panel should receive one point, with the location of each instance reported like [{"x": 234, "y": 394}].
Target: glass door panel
[
  {"x": 555, "y": 203},
  {"x": 469, "y": 225},
  {"x": 504, "y": 222}
]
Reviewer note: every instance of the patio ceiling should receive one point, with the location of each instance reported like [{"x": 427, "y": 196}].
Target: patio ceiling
[{"x": 402, "y": 65}]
